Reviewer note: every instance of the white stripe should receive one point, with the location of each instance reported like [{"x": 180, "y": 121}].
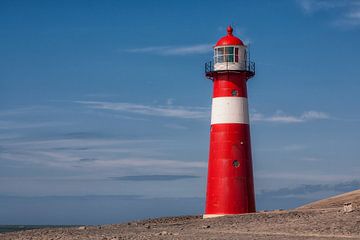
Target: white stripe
[{"x": 229, "y": 110}]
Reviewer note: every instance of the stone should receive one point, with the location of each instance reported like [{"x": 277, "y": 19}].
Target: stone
[{"x": 348, "y": 207}]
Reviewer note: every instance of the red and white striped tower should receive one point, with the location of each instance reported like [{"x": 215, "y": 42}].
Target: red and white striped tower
[{"x": 230, "y": 184}]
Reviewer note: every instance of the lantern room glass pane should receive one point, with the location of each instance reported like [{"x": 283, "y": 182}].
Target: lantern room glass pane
[
  {"x": 220, "y": 51},
  {"x": 230, "y": 58},
  {"x": 229, "y": 50},
  {"x": 226, "y": 54},
  {"x": 219, "y": 55},
  {"x": 220, "y": 59}
]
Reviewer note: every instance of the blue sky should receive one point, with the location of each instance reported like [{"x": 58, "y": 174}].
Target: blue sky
[{"x": 104, "y": 105}]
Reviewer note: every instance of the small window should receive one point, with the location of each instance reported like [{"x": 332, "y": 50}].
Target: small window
[{"x": 236, "y": 163}]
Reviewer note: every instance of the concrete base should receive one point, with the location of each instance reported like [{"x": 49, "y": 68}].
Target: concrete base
[
  {"x": 223, "y": 215},
  {"x": 215, "y": 215}
]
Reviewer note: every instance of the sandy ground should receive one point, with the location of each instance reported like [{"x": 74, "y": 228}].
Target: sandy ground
[{"x": 324, "y": 219}]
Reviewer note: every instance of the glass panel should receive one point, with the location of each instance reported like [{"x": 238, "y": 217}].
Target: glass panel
[
  {"x": 220, "y": 51},
  {"x": 229, "y": 50},
  {"x": 219, "y": 55},
  {"x": 229, "y": 58},
  {"x": 220, "y": 59}
]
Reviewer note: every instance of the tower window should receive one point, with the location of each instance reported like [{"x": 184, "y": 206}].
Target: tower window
[{"x": 236, "y": 163}]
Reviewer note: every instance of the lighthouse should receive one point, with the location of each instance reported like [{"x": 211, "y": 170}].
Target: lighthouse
[{"x": 230, "y": 182}]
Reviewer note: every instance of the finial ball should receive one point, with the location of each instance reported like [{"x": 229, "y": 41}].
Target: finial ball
[{"x": 229, "y": 30}]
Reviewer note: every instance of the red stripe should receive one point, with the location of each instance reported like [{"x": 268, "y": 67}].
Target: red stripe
[
  {"x": 229, "y": 84},
  {"x": 230, "y": 189}
]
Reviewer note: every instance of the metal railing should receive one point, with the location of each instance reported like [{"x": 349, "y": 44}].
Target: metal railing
[{"x": 245, "y": 66}]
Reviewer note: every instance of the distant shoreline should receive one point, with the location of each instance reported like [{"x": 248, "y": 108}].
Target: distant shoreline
[{"x": 16, "y": 228}]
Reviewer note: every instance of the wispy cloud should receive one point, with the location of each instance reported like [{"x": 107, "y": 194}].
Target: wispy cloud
[
  {"x": 347, "y": 12},
  {"x": 305, "y": 177},
  {"x": 286, "y": 148},
  {"x": 174, "y": 50},
  {"x": 159, "y": 111},
  {"x": 153, "y": 177},
  {"x": 173, "y": 111},
  {"x": 91, "y": 154},
  {"x": 25, "y": 110},
  {"x": 311, "y": 159},
  {"x": 311, "y": 6},
  {"x": 9, "y": 125},
  {"x": 175, "y": 126},
  {"x": 281, "y": 117},
  {"x": 350, "y": 19},
  {"x": 308, "y": 190},
  {"x": 153, "y": 163}
]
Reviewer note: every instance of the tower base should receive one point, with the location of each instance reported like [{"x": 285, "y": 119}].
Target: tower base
[
  {"x": 205, "y": 216},
  {"x": 220, "y": 215},
  {"x": 215, "y": 215}
]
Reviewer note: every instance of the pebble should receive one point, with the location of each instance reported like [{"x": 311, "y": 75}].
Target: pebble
[{"x": 163, "y": 233}]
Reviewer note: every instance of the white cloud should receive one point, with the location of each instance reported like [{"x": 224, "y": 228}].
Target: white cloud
[
  {"x": 153, "y": 163},
  {"x": 311, "y": 6},
  {"x": 311, "y": 115},
  {"x": 89, "y": 155},
  {"x": 287, "y": 148},
  {"x": 304, "y": 177},
  {"x": 170, "y": 101},
  {"x": 176, "y": 126},
  {"x": 281, "y": 117},
  {"x": 25, "y": 110},
  {"x": 311, "y": 159},
  {"x": 347, "y": 11},
  {"x": 160, "y": 111},
  {"x": 182, "y": 112},
  {"x": 174, "y": 50},
  {"x": 10, "y": 125},
  {"x": 351, "y": 19}
]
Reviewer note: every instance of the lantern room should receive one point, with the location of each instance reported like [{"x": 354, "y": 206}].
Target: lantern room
[{"x": 229, "y": 53}]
